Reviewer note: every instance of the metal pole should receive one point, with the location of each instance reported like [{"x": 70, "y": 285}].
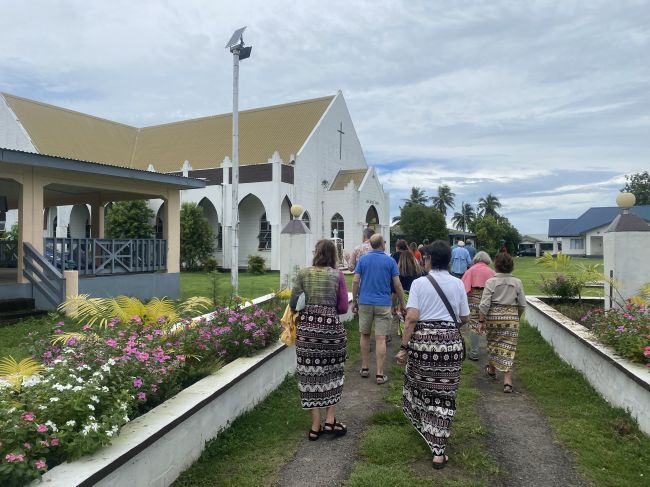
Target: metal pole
[{"x": 234, "y": 263}]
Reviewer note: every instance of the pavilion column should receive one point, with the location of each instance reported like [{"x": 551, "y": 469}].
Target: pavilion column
[
  {"x": 30, "y": 216},
  {"x": 97, "y": 220},
  {"x": 172, "y": 230}
]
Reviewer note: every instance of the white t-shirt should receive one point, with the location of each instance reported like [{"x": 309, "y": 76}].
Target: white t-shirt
[{"x": 425, "y": 299}]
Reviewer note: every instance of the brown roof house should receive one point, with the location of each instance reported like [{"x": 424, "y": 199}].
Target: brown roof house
[{"x": 306, "y": 152}]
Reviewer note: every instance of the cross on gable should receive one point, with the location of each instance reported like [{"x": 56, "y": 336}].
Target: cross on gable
[{"x": 341, "y": 133}]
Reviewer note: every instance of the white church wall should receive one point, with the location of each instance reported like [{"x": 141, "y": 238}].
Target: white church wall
[
  {"x": 12, "y": 133},
  {"x": 251, "y": 210},
  {"x": 373, "y": 194},
  {"x": 318, "y": 160}
]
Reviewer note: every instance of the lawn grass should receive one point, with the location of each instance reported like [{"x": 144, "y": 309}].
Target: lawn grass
[
  {"x": 395, "y": 454},
  {"x": 252, "y": 451},
  {"x": 609, "y": 448},
  {"x": 15, "y": 339},
  {"x": 530, "y": 273},
  {"x": 250, "y": 285}
]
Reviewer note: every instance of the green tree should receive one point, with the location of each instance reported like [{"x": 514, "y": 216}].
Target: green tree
[
  {"x": 197, "y": 238},
  {"x": 444, "y": 200},
  {"x": 490, "y": 230},
  {"x": 489, "y": 205},
  {"x": 129, "y": 219},
  {"x": 418, "y": 197},
  {"x": 639, "y": 185},
  {"x": 463, "y": 219},
  {"x": 419, "y": 222}
]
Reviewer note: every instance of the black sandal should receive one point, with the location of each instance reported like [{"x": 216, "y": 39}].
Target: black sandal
[
  {"x": 339, "y": 429},
  {"x": 440, "y": 465},
  {"x": 314, "y": 435}
]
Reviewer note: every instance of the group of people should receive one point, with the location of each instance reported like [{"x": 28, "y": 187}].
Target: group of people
[{"x": 435, "y": 298}]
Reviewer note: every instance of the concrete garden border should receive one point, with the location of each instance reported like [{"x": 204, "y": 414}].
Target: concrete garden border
[
  {"x": 155, "y": 448},
  {"x": 621, "y": 383}
]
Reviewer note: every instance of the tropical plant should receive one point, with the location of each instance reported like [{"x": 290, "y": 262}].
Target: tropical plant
[
  {"x": 639, "y": 185},
  {"x": 417, "y": 197},
  {"x": 197, "y": 238},
  {"x": 570, "y": 278},
  {"x": 463, "y": 219},
  {"x": 91, "y": 311},
  {"x": 444, "y": 199},
  {"x": 129, "y": 219},
  {"x": 489, "y": 205},
  {"x": 15, "y": 373},
  {"x": 256, "y": 264}
]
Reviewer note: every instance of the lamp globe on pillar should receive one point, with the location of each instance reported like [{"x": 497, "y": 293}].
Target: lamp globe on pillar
[
  {"x": 625, "y": 201},
  {"x": 297, "y": 210}
]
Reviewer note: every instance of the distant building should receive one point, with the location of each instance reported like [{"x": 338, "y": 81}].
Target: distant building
[
  {"x": 535, "y": 244},
  {"x": 583, "y": 236}
]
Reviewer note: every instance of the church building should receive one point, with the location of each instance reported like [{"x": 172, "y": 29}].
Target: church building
[{"x": 305, "y": 152}]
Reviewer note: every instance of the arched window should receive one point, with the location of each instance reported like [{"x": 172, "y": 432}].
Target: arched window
[
  {"x": 264, "y": 237},
  {"x": 306, "y": 220},
  {"x": 372, "y": 218},
  {"x": 338, "y": 227},
  {"x": 219, "y": 237},
  {"x": 159, "y": 228}
]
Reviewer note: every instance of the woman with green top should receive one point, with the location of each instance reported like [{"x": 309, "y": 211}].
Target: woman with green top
[{"x": 320, "y": 339}]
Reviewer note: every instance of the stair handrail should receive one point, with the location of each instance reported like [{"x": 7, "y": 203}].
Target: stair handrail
[{"x": 49, "y": 281}]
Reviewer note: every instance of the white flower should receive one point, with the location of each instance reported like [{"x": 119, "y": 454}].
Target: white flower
[
  {"x": 11, "y": 410},
  {"x": 54, "y": 399},
  {"x": 104, "y": 389},
  {"x": 91, "y": 407},
  {"x": 80, "y": 380},
  {"x": 111, "y": 361},
  {"x": 105, "y": 368},
  {"x": 77, "y": 388},
  {"x": 91, "y": 418},
  {"x": 94, "y": 398},
  {"x": 32, "y": 381},
  {"x": 123, "y": 405},
  {"x": 58, "y": 387},
  {"x": 72, "y": 422},
  {"x": 42, "y": 407},
  {"x": 126, "y": 418},
  {"x": 109, "y": 433},
  {"x": 4, "y": 384},
  {"x": 52, "y": 426}
]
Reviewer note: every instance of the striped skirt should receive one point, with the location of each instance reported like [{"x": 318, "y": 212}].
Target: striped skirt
[
  {"x": 320, "y": 355},
  {"x": 474, "y": 300},
  {"x": 502, "y": 332},
  {"x": 431, "y": 380}
]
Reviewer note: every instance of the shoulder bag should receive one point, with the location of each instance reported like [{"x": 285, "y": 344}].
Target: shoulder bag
[{"x": 450, "y": 310}]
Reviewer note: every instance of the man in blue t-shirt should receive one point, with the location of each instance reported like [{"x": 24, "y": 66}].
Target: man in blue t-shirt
[{"x": 371, "y": 299}]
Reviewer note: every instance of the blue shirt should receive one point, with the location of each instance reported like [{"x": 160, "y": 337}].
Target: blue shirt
[
  {"x": 460, "y": 260},
  {"x": 471, "y": 250},
  {"x": 376, "y": 270}
]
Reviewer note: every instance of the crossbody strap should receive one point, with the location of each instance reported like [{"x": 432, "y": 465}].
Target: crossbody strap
[{"x": 444, "y": 299}]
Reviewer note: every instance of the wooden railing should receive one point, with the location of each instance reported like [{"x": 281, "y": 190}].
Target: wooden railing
[
  {"x": 92, "y": 256},
  {"x": 43, "y": 276},
  {"x": 8, "y": 253}
]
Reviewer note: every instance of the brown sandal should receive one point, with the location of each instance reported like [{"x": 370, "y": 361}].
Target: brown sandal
[{"x": 314, "y": 435}]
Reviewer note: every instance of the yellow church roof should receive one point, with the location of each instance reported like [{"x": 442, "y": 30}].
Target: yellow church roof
[
  {"x": 204, "y": 142},
  {"x": 344, "y": 176}
]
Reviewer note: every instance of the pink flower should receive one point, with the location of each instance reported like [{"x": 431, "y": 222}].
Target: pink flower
[
  {"x": 181, "y": 358},
  {"x": 27, "y": 446},
  {"x": 141, "y": 396},
  {"x": 111, "y": 343},
  {"x": 54, "y": 442},
  {"x": 40, "y": 464},
  {"x": 28, "y": 416},
  {"x": 59, "y": 324},
  {"x": 58, "y": 331},
  {"x": 44, "y": 443},
  {"x": 72, "y": 342},
  {"x": 154, "y": 387},
  {"x": 137, "y": 382},
  {"x": 149, "y": 337},
  {"x": 86, "y": 327},
  {"x": 10, "y": 457},
  {"x": 136, "y": 319},
  {"x": 41, "y": 428}
]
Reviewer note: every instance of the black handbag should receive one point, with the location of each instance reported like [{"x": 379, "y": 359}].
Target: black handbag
[{"x": 447, "y": 304}]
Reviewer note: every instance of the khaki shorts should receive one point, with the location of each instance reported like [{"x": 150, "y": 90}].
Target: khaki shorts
[{"x": 381, "y": 315}]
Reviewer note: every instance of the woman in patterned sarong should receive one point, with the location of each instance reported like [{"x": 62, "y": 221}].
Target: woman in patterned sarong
[
  {"x": 320, "y": 339},
  {"x": 432, "y": 349},
  {"x": 502, "y": 305},
  {"x": 474, "y": 281}
]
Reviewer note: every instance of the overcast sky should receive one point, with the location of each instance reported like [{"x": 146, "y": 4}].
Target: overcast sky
[{"x": 544, "y": 103}]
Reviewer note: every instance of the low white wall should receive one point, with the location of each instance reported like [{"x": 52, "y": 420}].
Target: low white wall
[
  {"x": 621, "y": 382},
  {"x": 153, "y": 449}
]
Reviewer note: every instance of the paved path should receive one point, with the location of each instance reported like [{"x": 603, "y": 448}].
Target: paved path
[{"x": 329, "y": 461}]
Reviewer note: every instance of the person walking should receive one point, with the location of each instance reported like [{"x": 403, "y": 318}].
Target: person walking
[
  {"x": 400, "y": 246},
  {"x": 321, "y": 343},
  {"x": 371, "y": 299},
  {"x": 361, "y": 249},
  {"x": 470, "y": 248},
  {"x": 432, "y": 349},
  {"x": 460, "y": 260},
  {"x": 502, "y": 304},
  {"x": 413, "y": 247},
  {"x": 474, "y": 281}
]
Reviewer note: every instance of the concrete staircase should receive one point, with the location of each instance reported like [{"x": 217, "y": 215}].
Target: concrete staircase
[{"x": 13, "y": 310}]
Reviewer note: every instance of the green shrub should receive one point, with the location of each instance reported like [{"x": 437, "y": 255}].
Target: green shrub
[
  {"x": 256, "y": 264},
  {"x": 210, "y": 264},
  {"x": 561, "y": 286}
]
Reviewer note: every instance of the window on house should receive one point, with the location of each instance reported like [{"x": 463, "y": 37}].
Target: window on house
[
  {"x": 338, "y": 227},
  {"x": 306, "y": 220},
  {"x": 577, "y": 244},
  {"x": 264, "y": 236}
]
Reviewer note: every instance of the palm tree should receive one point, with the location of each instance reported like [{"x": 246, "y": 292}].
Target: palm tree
[
  {"x": 462, "y": 220},
  {"x": 444, "y": 200},
  {"x": 418, "y": 197},
  {"x": 489, "y": 205}
]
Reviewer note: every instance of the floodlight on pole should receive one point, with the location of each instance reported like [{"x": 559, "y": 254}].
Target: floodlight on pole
[{"x": 239, "y": 51}]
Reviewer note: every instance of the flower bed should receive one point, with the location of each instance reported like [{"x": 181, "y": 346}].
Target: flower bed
[{"x": 96, "y": 381}]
